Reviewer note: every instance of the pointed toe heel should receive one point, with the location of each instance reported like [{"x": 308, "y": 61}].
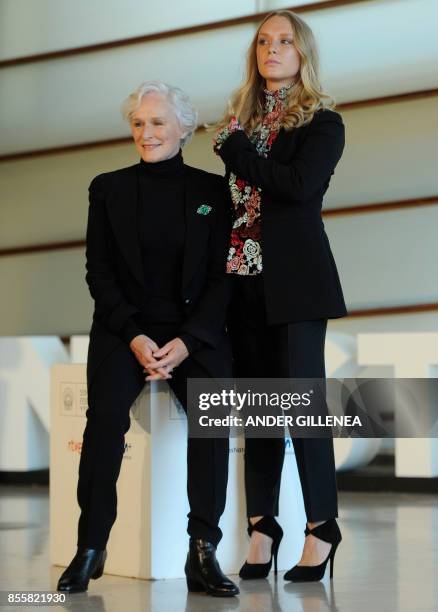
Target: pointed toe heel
[
  {"x": 268, "y": 526},
  {"x": 328, "y": 532}
]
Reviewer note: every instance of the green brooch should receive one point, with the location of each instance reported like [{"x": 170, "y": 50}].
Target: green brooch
[{"x": 204, "y": 209}]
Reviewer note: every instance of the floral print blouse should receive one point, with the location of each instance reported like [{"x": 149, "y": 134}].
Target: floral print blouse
[{"x": 245, "y": 250}]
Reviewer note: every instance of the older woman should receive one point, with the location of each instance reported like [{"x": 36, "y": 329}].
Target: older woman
[
  {"x": 281, "y": 141},
  {"x": 156, "y": 246}
]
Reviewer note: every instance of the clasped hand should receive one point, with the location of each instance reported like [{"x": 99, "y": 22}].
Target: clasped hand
[{"x": 158, "y": 362}]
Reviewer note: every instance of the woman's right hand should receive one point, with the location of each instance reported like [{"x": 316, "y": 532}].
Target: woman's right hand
[{"x": 142, "y": 346}]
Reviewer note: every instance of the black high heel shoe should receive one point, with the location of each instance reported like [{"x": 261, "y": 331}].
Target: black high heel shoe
[
  {"x": 268, "y": 526},
  {"x": 328, "y": 532},
  {"x": 87, "y": 563},
  {"x": 203, "y": 572}
]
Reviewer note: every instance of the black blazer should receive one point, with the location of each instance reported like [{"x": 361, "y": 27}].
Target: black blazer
[
  {"x": 300, "y": 276},
  {"x": 114, "y": 265}
]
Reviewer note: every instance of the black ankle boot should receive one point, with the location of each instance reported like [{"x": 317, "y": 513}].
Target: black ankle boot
[
  {"x": 87, "y": 563},
  {"x": 269, "y": 526},
  {"x": 203, "y": 572},
  {"x": 328, "y": 532}
]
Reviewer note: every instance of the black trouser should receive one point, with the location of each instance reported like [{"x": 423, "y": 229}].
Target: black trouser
[
  {"x": 292, "y": 350},
  {"x": 113, "y": 390}
]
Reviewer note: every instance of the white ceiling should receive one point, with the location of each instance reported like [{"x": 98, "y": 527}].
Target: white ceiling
[{"x": 370, "y": 49}]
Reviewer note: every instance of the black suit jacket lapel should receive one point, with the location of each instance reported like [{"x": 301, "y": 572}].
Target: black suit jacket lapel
[{"x": 122, "y": 206}]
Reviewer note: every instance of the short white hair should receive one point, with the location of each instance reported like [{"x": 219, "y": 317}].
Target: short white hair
[{"x": 185, "y": 112}]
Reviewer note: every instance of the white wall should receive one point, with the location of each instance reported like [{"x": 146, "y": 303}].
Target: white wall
[
  {"x": 48, "y": 25},
  {"x": 384, "y": 258},
  {"x": 368, "y": 50},
  {"x": 390, "y": 154}
]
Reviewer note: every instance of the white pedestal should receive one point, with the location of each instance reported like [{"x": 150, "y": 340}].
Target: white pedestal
[{"x": 149, "y": 538}]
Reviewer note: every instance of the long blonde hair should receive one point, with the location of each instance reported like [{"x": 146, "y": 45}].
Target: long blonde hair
[{"x": 305, "y": 96}]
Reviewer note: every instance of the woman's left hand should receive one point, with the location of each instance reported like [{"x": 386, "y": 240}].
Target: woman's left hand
[
  {"x": 169, "y": 357},
  {"x": 223, "y": 133}
]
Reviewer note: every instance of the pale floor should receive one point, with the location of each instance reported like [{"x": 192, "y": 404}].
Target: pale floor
[{"x": 387, "y": 561}]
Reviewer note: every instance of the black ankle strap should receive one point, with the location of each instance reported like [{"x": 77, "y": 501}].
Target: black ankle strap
[
  {"x": 327, "y": 531},
  {"x": 266, "y": 525}
]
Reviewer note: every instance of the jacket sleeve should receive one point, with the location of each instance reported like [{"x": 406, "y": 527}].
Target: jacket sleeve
[
  {"x": 111, "y": 306},
  {"x": 192, "y": 344},
  {"x": 299, "y": 180},
  {"x": 207, "y": 320},
  {"x": 130, "y": 330}
]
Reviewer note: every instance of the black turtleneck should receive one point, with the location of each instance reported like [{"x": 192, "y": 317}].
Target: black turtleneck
[
  {"x": 161, "y": 233},
  {"x": 161, "y": 229}
]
